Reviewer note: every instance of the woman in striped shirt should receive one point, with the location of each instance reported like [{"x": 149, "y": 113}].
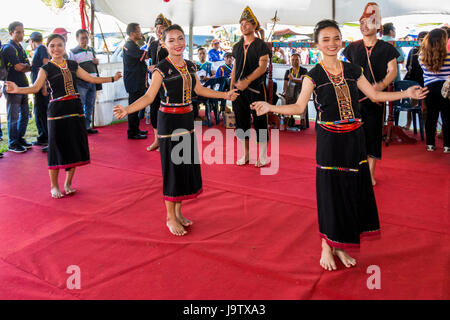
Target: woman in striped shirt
[{"x": 435, "y": 62}]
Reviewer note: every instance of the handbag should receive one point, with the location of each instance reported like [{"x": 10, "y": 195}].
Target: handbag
[{"x": 445, "y": 91}]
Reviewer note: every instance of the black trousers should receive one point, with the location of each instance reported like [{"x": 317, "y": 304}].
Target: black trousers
[
  {"x": 243, "y": 114},
  {"x": 40, "y": 112},
  {"x": 133, "y": 118},
  {"x": 372, "y": 117},
  {"x": 154, "y": 107},
  {"x": 436, "y": 104}
]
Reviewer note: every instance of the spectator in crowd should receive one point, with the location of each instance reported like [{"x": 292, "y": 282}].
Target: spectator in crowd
[
  {"x": 204, "y": 67},
  {"x": 293, "y": 82},
  {"x": 85, "y": 57},
  {"x": 279, "y": 56},
  {"x": 225, "y": 69},
  {"x": 17, "y": 110},
  {"x": 63, "y": 32},
  {"x": 41, "y": 98},
  {"x": 135, "y": 77},
  {"x": 204, "y": 73},
  {"x": 389, "y": 35},
  {"x": 216, "y": 53},
  {"x": 415, "y": 73},
  {"x": 304, "y": 56},
  {"x": 435, "y": 62}
]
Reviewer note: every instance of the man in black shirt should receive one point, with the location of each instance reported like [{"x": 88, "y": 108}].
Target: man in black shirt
[
  {"x": 157, "y": 52},
  {"x": 134, "y": 76},
  {"x": 379, "y": 62},
  {"x": 251, "y": 56}
]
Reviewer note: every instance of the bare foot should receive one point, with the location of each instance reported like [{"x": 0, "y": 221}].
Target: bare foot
[
  {"x": 345, "y": 258},
  {"x": 183, "y": 220},
  {"x": 262, "y": 163},
  {"x": 69, "y": 190},
  {"x": 175, "y": 227},
  {"x": 242, "y": 161},
  {"x": 153, "y": 146},
  {"x": 56, "y": 193},
  {"x": 327, "y": 260}
]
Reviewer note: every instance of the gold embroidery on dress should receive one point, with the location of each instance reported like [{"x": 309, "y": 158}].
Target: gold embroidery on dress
[{"x": 68, "y": 81}]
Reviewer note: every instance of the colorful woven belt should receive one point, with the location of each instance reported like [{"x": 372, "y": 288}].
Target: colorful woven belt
[
  {"x": 67, "y": 116},
  {"x": 340, "y": 168},
  {"x": 341, "y": 126},
  {"x": 68, "y": 97},
  {"x": 176, "y": 110}
]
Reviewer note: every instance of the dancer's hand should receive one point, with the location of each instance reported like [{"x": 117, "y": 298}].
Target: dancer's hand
[
  {"x": 242, "y": 84},
  {"x": 231, "y": 95},
  {"x": 120, "y": 112},
  {"x": 11, "y": 87},
  {"x": 261, "y": 107},
  {"x": 117, "y": 76},
  {"x": 418, "y": 93}
]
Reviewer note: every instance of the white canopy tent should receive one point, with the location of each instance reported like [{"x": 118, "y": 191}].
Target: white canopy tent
[{"x": 290, "y": 12}]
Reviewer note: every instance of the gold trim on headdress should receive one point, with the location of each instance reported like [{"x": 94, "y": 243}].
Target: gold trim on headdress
[
  {"x": 160, "y": 19},
  {"x": 248, "y": 15}
]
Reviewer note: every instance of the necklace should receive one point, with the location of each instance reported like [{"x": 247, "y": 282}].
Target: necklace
[
  {"x": 336, "y": 79},
  {"x": 187, "y": 80},
  {"x": 61, "y": 65}
]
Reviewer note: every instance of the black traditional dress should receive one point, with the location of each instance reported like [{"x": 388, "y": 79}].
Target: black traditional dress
[
  {"x": 182, "y": 177},
  {"x": 67, "y": 135},
  {"x": 345, "y": 199}
]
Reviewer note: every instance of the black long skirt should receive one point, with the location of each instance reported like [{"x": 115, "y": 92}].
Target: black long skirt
[
  {"x": 180, "y": 164},
  {"x": 345, "y": 199},
  {"x": 67, "y": 136}
]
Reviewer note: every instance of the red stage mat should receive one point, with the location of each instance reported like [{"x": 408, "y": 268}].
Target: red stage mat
[{"x": 254, "y": 236}]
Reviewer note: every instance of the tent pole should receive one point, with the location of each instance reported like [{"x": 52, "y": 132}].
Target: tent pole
[
  {"x": 93, "y": 46},
  {"x": 333, "y": 9},
  {"x": 92, "y": 22},
  {"x": 191, "y": 33}
]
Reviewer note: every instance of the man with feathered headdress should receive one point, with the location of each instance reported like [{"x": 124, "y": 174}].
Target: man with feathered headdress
[
  {"x": 157, "y": 52},
  {"x": 379, "y": 62},
  {"x": 251, "y": 56}
]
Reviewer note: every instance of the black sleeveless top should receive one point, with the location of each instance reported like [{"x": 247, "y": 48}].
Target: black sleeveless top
[
  {"x": 336, "y": 102},
  {"x": 62, "y": 80},
  {"x": 175, "y": 89}
]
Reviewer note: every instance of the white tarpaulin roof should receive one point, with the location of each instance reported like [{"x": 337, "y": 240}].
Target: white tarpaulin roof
[{"x": 291, "y": 12}]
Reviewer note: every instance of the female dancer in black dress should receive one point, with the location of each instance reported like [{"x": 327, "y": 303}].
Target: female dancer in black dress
[
  {"x": 67, "y": 136},
  {"x": 345, "y": 199},
  {"x": 181, "y": 173}
]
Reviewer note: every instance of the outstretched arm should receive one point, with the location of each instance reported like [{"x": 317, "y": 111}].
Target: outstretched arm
[
  {"x": 121, "y": 112},
  {"x": 83, "y": 75},
  {"x": 209, "y": 93},
  {"x": 298, "y": 107},
  {"x": 11, "y": 87},
  {"x": 415, "y": 92}
]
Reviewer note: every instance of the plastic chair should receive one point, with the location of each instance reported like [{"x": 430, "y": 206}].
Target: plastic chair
[
  {"x": 218, "y": 84},
  {"x": 405, "y": 105}
]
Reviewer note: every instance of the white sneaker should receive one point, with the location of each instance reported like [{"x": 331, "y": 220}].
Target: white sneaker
[
  {"x": 431, "y": 148},
  {"x": 446, "y": 149}
]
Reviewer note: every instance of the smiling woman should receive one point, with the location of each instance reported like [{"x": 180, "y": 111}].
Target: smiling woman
[{"x": 181, "y": 179}]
